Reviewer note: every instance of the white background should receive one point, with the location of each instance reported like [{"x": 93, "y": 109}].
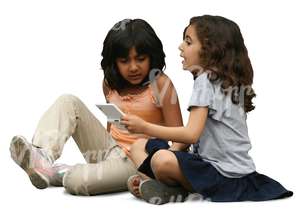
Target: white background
[{"x": 48, "y": 48}]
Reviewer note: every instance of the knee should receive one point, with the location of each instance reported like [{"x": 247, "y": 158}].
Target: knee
[
  {"x": 161, "y": 163},
  {"x": 68, "y": 102},
  {"x": 75, "y": 180},
  {"x": 68, "y": 98}
]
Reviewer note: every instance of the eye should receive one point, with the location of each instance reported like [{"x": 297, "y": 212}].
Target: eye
[
  {"x": 187, "y": 41},
  {"x": 141, "y": 58},
  {"x": 123, "y": 60}
]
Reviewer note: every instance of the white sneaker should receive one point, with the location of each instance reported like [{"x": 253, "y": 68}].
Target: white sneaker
[{"x": 34, "y": 161}]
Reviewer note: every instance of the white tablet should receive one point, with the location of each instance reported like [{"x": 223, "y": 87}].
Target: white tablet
[{"x": 112, "y": 112}]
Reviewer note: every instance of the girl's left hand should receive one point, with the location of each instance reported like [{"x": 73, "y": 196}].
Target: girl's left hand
[{"x": 133, "y": 123}]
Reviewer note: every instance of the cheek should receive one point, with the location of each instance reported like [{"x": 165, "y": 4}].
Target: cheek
[
  {"x": 123, "y": 70},
  {"x": 145, "y": 67},
  {"x": 194, "y": 57}
]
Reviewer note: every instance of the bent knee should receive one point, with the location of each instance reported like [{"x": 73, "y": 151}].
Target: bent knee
[
  {"x": 161, "y": 162},
  {"x": 68, "y": 97}
]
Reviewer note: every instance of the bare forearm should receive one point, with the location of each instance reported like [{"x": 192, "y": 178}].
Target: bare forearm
[
  {"x": 176, "y": 134},
  {"x": 188, "y": 134}
]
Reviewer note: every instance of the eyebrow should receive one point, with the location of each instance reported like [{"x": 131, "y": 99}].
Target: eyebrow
[{"x": 136, "y": 56}]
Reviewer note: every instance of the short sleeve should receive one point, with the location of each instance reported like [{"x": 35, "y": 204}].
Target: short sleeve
[{"x": 204, "y": 95}]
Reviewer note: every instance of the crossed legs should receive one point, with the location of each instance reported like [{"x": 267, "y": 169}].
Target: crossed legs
[{"x": 164, "y": 165}]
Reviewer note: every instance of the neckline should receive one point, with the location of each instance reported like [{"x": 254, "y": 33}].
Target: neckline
[{"x": 135, "y": 94}]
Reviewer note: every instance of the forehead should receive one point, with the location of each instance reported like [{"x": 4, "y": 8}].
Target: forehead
[
  {"x": 132, "y": 52},
  {"x": 190, "y": 32}
]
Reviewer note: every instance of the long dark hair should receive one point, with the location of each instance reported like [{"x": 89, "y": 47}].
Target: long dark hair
[
  {"x": 225, "y": 55},
  {"x": 125, "y": 35}
]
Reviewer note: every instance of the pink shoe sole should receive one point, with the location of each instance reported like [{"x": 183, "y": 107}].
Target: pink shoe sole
[{"x": 21, "y": 153}]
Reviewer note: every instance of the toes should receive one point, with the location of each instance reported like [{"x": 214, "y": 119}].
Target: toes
[{"x": 136, "y": 181}]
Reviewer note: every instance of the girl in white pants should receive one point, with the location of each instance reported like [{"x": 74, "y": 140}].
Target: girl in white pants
[{"x": 133, "y": 60}]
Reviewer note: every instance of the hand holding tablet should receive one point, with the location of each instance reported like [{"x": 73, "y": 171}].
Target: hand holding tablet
[{"x": 113, "y": 114}]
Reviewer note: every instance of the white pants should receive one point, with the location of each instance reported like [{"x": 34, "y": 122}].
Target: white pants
[{"x": 107, "y": 168}]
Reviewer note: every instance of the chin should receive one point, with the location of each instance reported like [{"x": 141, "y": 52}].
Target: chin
[{"x": 134, "y": 83}]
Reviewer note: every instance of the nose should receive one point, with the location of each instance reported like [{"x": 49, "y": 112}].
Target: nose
[
  {"x": 180, "y": 47},
  {"x": 133, "y": 66}
]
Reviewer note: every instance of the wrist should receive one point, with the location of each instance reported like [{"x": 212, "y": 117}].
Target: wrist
[{"x": 146, "y": 127}]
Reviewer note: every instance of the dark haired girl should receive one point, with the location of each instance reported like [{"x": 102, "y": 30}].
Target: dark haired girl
[{"x": 133, "y": 60}]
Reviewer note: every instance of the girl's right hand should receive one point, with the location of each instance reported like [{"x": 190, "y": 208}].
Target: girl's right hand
[{"x": 133, "y": 123}]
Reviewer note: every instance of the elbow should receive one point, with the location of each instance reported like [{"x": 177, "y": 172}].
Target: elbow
[
  {"x": 193, "y": 137},
  {"x": 194, "y": 140}
]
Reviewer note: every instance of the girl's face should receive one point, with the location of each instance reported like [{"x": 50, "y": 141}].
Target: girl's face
[
  {"x": 135, "y": 67},
  {"x": 190, "y": 50}
]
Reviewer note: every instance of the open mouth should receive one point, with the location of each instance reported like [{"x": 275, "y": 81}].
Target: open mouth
[{"x": 183, "y": 61}]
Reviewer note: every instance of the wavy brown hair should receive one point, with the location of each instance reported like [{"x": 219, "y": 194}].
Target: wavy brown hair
[{"x": 225, "y": 56}]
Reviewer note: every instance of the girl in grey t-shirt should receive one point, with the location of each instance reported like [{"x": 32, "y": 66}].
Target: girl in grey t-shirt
[{"x": 218, "y": 165}]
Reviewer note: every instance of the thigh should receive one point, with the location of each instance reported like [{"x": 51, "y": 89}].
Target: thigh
[
  {"x": 90, "y": 135},
  {"x": 109, "y": 175}
]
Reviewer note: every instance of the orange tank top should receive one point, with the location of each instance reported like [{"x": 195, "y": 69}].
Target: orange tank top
[{"x": 144, "y": 105}]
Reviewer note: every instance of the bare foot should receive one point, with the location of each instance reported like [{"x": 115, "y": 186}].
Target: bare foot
[{"x": 133, "y": 184}]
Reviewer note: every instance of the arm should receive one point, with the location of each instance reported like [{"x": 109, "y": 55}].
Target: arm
[
  {"x": 188, "y": 134},
  {"x": 105, "y": 92}
]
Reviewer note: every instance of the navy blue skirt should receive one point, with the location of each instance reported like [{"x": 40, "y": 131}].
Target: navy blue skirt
[{"x": 212, "y": 185}]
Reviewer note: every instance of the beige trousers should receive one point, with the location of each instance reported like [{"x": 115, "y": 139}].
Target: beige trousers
[{"x": 107, "y": 168}]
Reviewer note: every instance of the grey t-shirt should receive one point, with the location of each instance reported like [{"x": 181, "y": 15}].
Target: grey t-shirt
[{"x": 224, "y": 142}]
